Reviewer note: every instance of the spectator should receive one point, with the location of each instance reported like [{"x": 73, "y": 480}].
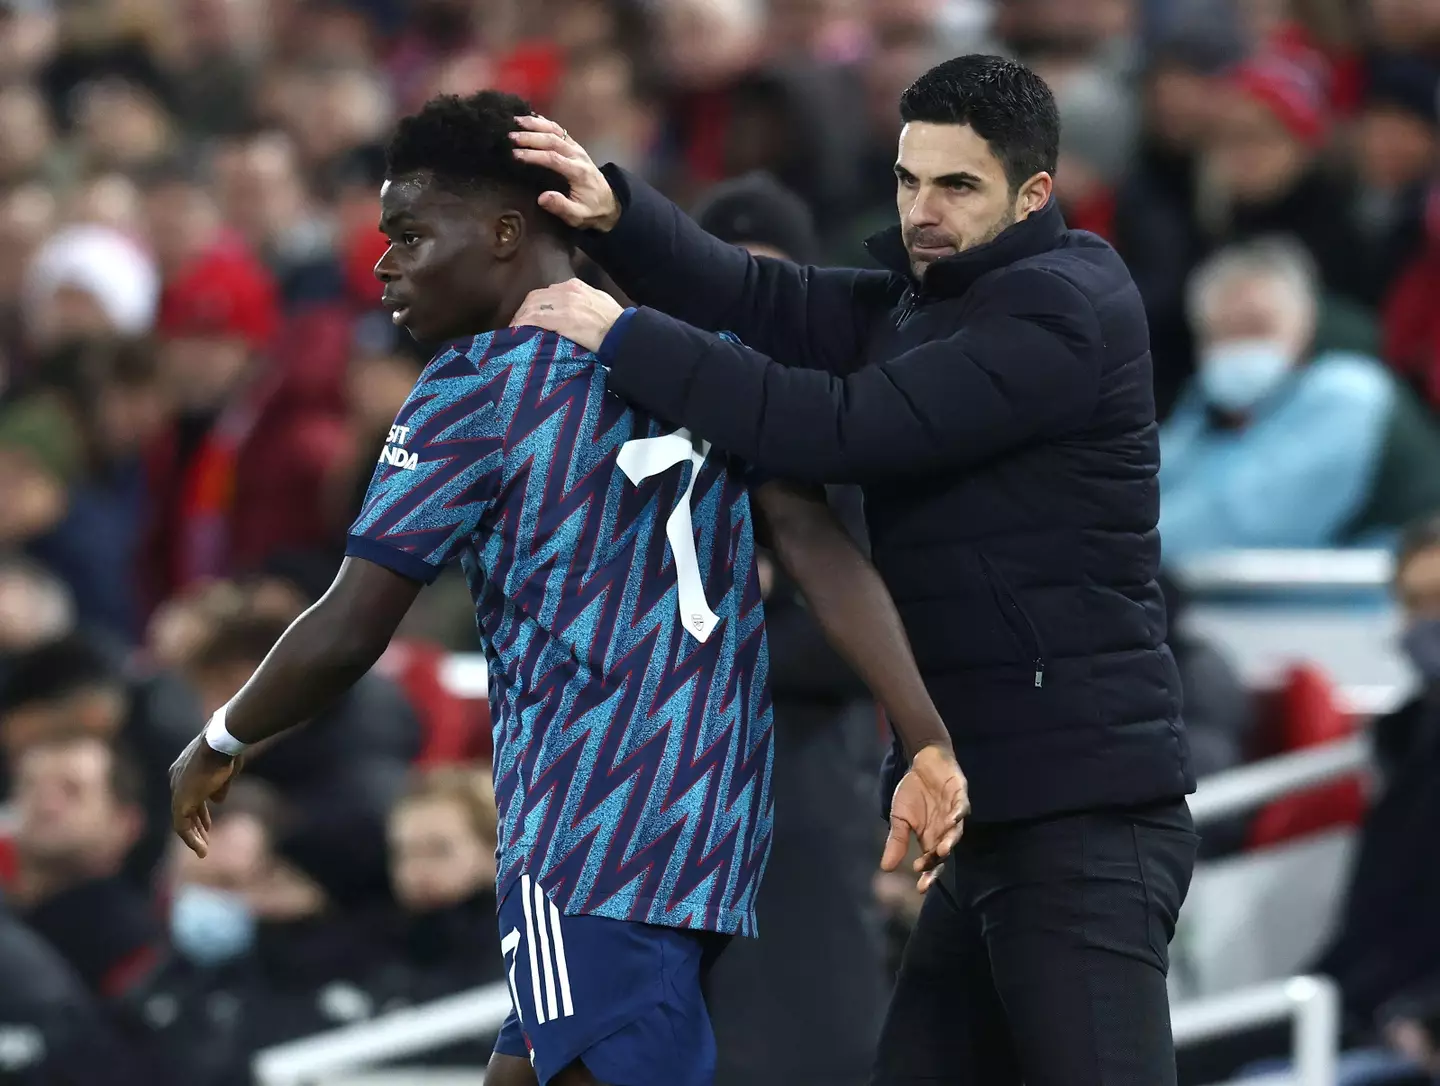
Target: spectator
[
  {"x": 263, "y": 193},
  {"x": 1155, "y": 226},
  {"x": 74, "y": 446},
  {"x": 89, "y": 281},
  {"x": 244, "y": 468},
  {"x": 79, "y": 683},
  {"x": 78, "y": 804},
  {"x": 442, "y": 864},
  {"x": 1274, "y": 445},
  {"x": 51, "y": 1029},
  {"x": 188, "y": 1013},
  {"x": 36, "y": 608}
]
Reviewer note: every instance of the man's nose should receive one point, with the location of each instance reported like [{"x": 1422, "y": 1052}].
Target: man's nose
[
  {"x": 384, "y": 269},
  {"x": 925, "y": 210}
]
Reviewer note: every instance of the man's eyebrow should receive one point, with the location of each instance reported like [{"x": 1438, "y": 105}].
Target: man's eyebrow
[{"x": 962, "y": 177}]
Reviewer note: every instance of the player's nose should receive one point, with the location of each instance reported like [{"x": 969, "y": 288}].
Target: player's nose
[{"x": 385, "y": 269}]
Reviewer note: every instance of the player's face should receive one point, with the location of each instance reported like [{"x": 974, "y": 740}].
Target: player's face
[
  {"x": 440, "y": 270},
  {"x": 952, "y": 192}
]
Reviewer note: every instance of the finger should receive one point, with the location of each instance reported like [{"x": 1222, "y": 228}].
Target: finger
[
  {"x": 547, "y": 141},
  {"x": 563, "y": 207},
  {"x": 535, "y": 123},
  {"x": 896, "y": 845},
  {"x": 926, "y": 860},
  {"x": 195, "y": 840},
  {"x": 927, "y": 880},
  {"x": 950, "y": 840},
  {"x": 575, "y": 170},
  {"x": 203, "y": 816}
]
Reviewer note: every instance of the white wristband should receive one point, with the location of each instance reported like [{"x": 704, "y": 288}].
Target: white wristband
[{"x": 218, "y": 737}]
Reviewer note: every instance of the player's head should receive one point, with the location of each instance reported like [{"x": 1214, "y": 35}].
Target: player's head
[
  {"x": 977, "y": 154},
  {"x": 461, "y": 215}
]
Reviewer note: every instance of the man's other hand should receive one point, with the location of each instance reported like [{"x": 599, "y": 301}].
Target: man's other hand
[
  {"x": 572, "y": 309},
  {"x": 931, "y": 802},
  {"x": 199, "y": 775},
  {"x": 589, "y": 205}
]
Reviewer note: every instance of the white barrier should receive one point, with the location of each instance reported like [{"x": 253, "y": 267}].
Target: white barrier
[
  {"x": 1238, "y": 791},
  {"x": 1311, "y": 1003},
  {"x": 391, "y": 1036},
  {"x": 1272, "y": 570}
]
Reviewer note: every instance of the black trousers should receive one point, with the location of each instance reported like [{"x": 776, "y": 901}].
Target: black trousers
[{"x": 1040, "y": 956}]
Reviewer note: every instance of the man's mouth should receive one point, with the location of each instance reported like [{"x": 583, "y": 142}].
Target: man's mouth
[
  {"x": 932, "y": 252},
  {"x": 398, "y": 310}
]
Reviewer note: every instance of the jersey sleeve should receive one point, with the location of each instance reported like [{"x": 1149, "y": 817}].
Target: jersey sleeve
[{"x": 438, "y": 471}]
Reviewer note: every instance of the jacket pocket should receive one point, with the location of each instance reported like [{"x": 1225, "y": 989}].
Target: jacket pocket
[{"x": 1015, "y": 617}]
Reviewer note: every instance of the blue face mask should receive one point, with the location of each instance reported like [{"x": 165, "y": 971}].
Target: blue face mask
[
  {"x": 1422, "y": 644},
  {"x": 210, "y": 926},
  {"x": 1237, "y": 375}
]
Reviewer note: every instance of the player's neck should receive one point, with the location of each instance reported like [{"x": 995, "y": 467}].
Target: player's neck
[{"x": 543, "y": 266}]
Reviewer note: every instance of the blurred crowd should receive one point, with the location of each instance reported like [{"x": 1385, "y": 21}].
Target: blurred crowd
[{"x": 195, "y": 378}]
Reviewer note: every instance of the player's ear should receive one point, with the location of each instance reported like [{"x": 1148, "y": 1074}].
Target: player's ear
[{"x": 509, "y": 233}]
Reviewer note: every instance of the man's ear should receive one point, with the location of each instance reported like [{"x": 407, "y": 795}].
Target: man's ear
[
  {"x": 509, "y": 233},
  {"x": 1034, "y": 194}
]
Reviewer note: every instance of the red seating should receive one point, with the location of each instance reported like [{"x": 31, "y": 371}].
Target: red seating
[
  {"x": 455, "y": 729},
  {"x": 1305, "y": 712}
]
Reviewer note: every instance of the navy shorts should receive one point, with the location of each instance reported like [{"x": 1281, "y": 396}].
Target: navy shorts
[{"x": 622, "y": 998}]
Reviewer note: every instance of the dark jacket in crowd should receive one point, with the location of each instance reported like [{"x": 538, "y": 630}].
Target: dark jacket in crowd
[
  {"x": 51, "y": 1031},
  {"x": 802, "y": 1005},
  {"x": 1001, "y": 419},
  {"x": 1387, "y": 941},
  {"x": 105, "y": 928}
]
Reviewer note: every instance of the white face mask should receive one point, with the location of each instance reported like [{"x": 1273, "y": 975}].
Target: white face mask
[{"x": 1237, "y": 375}]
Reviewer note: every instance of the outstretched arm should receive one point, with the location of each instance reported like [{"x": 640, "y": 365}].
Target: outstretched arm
[
  {"x": 321, "y": 656},
  {"x": 1025, "y": 366},
  {"x": 657, "y": 255},
  {"x": 855, "y": 611}
]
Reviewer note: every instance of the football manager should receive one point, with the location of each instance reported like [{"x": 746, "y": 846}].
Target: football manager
[{"x": 991, "y": 392}]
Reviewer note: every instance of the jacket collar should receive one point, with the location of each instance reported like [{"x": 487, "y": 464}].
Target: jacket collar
[{"x": 953, "y": 276}]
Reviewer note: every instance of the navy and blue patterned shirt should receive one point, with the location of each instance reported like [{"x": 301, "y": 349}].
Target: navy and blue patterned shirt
[{"x": 612, "y": 563}]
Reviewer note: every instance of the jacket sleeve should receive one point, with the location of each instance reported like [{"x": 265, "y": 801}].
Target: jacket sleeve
[
  {"x": 800, "y": 316},
  {"x": 1025, "y": 366}
]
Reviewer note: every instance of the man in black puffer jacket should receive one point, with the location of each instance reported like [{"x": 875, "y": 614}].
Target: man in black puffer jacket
[{"x": 992, "y": 392}]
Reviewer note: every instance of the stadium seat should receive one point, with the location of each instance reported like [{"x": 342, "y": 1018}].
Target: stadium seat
[{"x": 1305, "y": 712}]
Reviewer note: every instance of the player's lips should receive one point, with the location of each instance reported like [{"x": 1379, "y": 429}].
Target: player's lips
[
  {"x": 932, "y": 252},
  {"x": 399, "y": 309}
]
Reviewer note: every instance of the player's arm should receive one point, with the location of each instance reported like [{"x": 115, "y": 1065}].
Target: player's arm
[
  {"x": 321, "y": 656},
  {"x": 434, "y": 481},
  {"x": 657, "y": 255},
  {"x": 858, "y": 617}
]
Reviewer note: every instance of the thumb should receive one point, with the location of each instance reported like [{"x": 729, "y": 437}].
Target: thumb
[
  {"x": 563, "y": 208},
  {"x": 896, "y": 845}
]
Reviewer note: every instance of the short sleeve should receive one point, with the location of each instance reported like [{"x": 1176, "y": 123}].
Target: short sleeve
[{"x": 438, "y": 471}]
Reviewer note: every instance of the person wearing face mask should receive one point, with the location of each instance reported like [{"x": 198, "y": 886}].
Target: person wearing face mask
[
  {"x": 1385, "y": 953},
  {"x": 188, "y": 1012},
  {"x": 1274, "y": 445}
]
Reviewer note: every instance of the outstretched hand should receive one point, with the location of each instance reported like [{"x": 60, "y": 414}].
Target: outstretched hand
[
  {"x": 931, "y": 803},
  {"x": 199, "y": 775},
  {"x": 589, "y": 205}
]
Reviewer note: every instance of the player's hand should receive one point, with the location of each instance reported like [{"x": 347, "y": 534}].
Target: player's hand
[
  {"x": 199, "y": 775},
  {"x": 572, "y": 309},
  {"x": 590, "y": 204},
  {"x": 931, "y": 802}
]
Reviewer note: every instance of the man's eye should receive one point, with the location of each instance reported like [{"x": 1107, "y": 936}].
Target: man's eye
[{"x": 409, "y": 237}]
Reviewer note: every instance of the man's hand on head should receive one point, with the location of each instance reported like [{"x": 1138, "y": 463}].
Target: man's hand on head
[
  {"x": 572, "y": 309},
  {"x": 590, "y": 204}
]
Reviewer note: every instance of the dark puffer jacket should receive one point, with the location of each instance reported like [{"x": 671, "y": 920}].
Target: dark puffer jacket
[{"x": 1002, "y": 422}]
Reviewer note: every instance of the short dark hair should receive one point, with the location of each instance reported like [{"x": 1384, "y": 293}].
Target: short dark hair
[
  {"x": 241, "y": 639},
  {"x": 59, "y": 670},
  {"x": 465, "y": 143},
  {"x": 1008, "y": 106}
]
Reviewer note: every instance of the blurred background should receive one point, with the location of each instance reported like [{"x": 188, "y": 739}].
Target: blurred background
[{"x": 195, "y": 378}]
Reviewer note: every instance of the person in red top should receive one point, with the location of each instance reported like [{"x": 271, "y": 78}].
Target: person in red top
[{"x": 242, "y": 471}]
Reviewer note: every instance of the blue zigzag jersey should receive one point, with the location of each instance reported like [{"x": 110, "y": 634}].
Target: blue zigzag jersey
[{"x": 612, "y": 563}]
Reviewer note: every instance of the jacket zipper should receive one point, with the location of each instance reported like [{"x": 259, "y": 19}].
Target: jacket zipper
[
  {"x": 998, "y": 585},
  {"x": 907, "y": 310}
]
